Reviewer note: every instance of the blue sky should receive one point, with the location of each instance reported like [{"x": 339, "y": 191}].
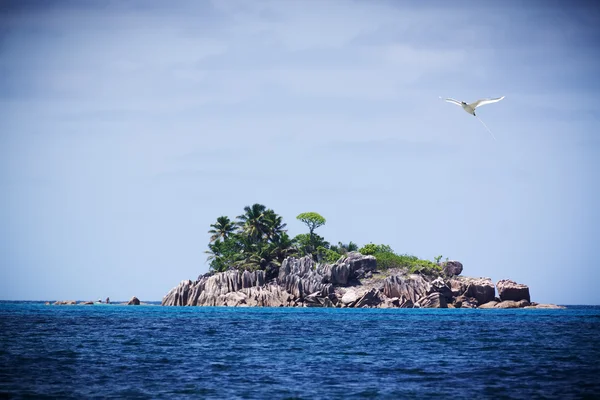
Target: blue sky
[{"x": 127, "y": 128}]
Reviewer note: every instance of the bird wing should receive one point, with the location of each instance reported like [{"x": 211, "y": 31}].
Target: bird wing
[
  {"x": 458, "y": 103},
  {"x": 483, "y": 102}
]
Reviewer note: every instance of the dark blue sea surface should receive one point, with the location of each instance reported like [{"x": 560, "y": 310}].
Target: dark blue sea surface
[{"x": 151, "y": 351}]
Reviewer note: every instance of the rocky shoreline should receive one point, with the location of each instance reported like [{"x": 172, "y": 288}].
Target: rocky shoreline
[{"x": 352, "y": 282}]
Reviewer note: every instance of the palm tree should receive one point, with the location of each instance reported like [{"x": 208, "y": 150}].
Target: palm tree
[
  {"x": 252, "y": 222},
  {"x": 222, "y": 229},
  {"x": 273, "y": 223},
  {"x": 264, "y": 257},
  {"x": 345, "y": 248},
  {"x": 214, "y": 250},
  {"x": 283, "y": 246}
]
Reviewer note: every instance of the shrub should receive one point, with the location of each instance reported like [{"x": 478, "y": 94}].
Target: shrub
[
  {"x": 387, "y": 258},
  {"x": 368, "y": 249},
  {"x": 327, "y": 255}
]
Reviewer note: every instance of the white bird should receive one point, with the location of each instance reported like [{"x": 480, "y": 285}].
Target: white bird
[{"x": 470, "y": 108}]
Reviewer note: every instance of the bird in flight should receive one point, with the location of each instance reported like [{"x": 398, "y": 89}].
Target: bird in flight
[{"x": 470, "y": 108}]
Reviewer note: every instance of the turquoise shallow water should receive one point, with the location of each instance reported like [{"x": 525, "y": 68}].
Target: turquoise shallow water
[{"x": 120, "y": 351}]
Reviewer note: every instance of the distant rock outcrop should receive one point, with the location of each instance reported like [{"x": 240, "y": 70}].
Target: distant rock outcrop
[
  {"x": 134, "y": 301},
  {"x": 65, "y": 303},
  {"x": 545, "y": 306}
]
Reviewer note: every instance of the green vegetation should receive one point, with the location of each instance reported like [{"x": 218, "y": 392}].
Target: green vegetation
[
  {"x": 387, "y": 258},
  {"x": 258, "y": 240},
  {"x": 312, "y": 220}
]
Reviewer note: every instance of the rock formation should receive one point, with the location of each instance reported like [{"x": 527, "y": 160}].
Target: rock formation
[
  {"x": 433, "y": 300},
  {"x": 510, "y": 290},
  {"x": 65, "y": 303},
  {"x": 405, "y": 288},
  {"x": 134, "y": 301},
  {"x": 451, "y": 268},
  {"x": 353, "y": 281}
]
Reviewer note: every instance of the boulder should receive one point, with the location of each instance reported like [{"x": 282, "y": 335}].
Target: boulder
[
  {"x": 406, "y": 303},
  {"x": 359, "y": 264},
  {"x": 370, "y": 299},
  {"x": 510, "y": 290},
  {"x": 545, "y": 306},
  {"x": 489, "y": 304},
  {"x": 349, "y": 297},
  {"x": 434, "y": 300},
  {"x": 65, "y": 303},
  {"x": 351, "y": 267},
  {"x": 465, "y": 302},
  {"x": 438, "y": 285},
  {"x": 411, "y": 287},
  {"x": 507, "y": 304},
  {"x": 314, "y": 300},
  {"x": 389, "y": 303},
  {"x": 458, "y": 286},
  {"x": 481, "y": 289},
  {"x": 451, "y": 268},
  {"x": 134, "y": 301},
  {"x": 523, "y": 303},
  {"x": 328, "y": 303}
]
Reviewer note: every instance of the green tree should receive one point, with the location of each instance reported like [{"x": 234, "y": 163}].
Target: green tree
[
  {"x": 273, "y": 224},
  {"x": 308, "y": 245},
  {"x": 312, "y": 219},
  {"x": 283, "y": 246},
  {"x": 342, "y": 248},
  {"x": 252, "y": 221},
  {"x": 222, "y": 229},
  {"x": 328, "y": 255},
  {"x": 261, "y": 256},
  {"x": 223, "y": 254},
  {"x": 257, "y": 240},
  {"x": 368, "y": 249}
]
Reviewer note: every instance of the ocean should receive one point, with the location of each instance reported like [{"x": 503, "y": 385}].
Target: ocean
[{"x": 149, "y": 351}]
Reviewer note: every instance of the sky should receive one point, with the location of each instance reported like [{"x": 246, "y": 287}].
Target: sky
[{"x": 128, "y": 127}]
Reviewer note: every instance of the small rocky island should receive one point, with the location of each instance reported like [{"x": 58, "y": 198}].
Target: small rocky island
[{"x": 353, "y": 281}]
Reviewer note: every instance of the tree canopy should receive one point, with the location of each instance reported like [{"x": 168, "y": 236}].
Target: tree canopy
[{"x": 312, "y": 219}]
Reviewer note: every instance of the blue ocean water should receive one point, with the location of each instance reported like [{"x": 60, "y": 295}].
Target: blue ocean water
[{"x": 303, "y": 353}]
